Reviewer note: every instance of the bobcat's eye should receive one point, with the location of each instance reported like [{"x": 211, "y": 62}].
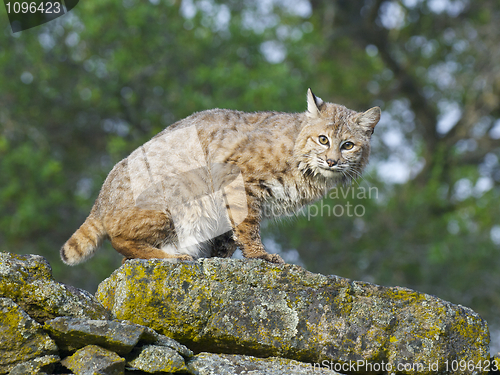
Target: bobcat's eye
[
  {"x": 323, "y": 140},
  {"x": 348, "y": 145}
]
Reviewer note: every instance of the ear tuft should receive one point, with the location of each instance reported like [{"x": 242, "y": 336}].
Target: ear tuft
[
  {"x": 369, "y": 118},
  {"x": 314, "y": 104}
]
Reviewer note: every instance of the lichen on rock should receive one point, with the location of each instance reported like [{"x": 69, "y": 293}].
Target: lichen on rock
[
  {"x": 36, "y": 366},
  {"x": 121, "y": 337},
  {"x": 262, "y": 309},
  {"x": 253, "y": 316},
  {"x": 230, "y": 364},
  {"x": 28, "y": 281},
  {"x": 21, "y": 338},
  {"x": 154, "y": 358},
  {"x": 93, "y": 359}
]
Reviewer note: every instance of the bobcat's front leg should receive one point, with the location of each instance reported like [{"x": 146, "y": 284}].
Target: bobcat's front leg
[{"x": 248, "y": 239}]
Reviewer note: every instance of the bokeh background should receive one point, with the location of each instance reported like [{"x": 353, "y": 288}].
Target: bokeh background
[{"x": 81, "y": 92}]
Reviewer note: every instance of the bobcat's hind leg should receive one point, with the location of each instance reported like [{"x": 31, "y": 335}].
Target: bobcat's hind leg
[
  {"x": 132, "y": 249},
  {"x": 136, "y": 232}
]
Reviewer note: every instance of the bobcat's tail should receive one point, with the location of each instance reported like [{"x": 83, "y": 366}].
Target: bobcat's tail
[{"x": 84, "y": 242}]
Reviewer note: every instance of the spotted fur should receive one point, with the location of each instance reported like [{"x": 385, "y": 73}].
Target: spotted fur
[{"x": 285, "y": 160}]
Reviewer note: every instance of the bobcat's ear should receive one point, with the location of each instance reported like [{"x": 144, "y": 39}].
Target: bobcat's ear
[
  {"x": 369, "y": 119},
  {"x": 314, "y": 104}
]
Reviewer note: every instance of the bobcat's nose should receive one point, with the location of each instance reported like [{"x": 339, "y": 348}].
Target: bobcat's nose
[{"x": 331, "y": 162}]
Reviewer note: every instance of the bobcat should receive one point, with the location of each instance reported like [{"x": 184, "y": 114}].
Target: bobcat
[{"x": 202, "y": 186}]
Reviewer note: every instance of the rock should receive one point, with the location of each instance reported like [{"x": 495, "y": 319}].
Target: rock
[
  {"x": 262, "y": 309},
  {"x": 21, "y": 338},
  {"x": 93, "y": 359},
  {"x": 230, "y": 364},
  {"x": 37, "y": 366},
  {"x": 27, "y": 280},
  {"x": 162, "y": 340},
  {"x": 154, "y": 358},
  {"x": 74, "y": 333},
  {"x": 121, "y": 337}
]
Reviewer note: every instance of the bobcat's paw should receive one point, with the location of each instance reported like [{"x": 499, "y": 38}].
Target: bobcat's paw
[
  {"x": 185, "y": 258},
  {"x": 272, "y": 258}
]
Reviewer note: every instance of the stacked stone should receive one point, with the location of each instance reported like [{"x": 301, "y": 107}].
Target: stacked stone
[{"x": 238, "y": 316}]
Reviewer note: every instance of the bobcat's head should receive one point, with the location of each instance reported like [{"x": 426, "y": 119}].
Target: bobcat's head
[{"x": 335, "y": 141}]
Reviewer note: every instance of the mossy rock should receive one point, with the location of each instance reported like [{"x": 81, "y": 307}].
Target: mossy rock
[
  {"x": 261, "y": 309},
  {"x": 120, "y": 337},
  {"x": 28, "y": 281},
  {"x": 156, "y": 359},
  {"x": 21, "y": 338},
  {"x": 38, "y": 366},
  {"x": 93, "y": 359}
]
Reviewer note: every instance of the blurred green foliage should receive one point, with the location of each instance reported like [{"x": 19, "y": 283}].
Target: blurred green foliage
[{"x": 81, "y": 92}]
